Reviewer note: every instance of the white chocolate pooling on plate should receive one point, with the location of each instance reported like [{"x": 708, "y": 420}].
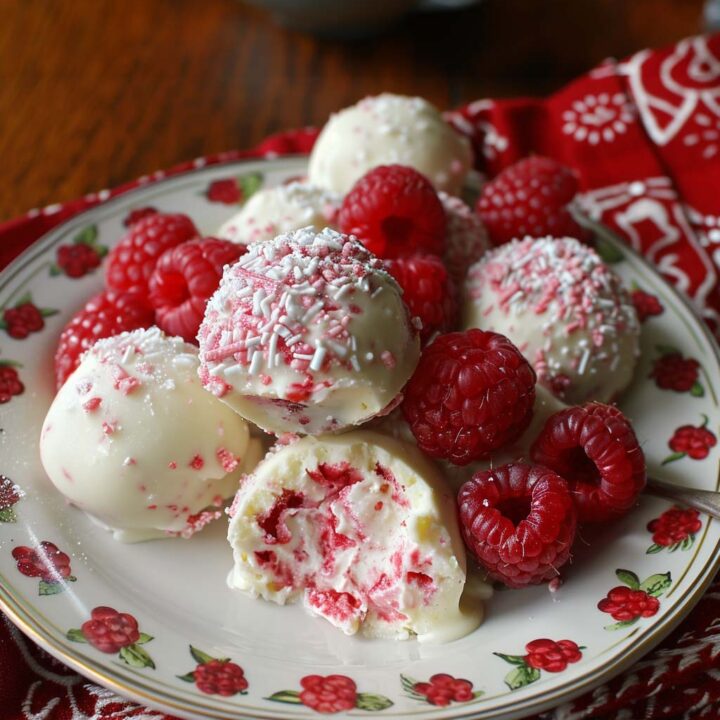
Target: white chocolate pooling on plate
[
  {"x": 134, "y": 439},
  {"x": 567, "y": 312},
  {"x": 272, "y": 211},
  {"x": 389, "y": 129},
  {"x": 362, "y": 529},
  {"x": 307, "y": 333}
]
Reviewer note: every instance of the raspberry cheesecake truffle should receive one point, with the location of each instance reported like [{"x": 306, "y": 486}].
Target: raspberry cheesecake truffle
[
  {"x": 388, "y": 129},
  {"x": 567, "y": 312},
  {"x": 362, "y": 529},
  {"x": 134, "y": 439},
  {"x": 307, "y": 333},
  {"x": 280, "y": 209}
]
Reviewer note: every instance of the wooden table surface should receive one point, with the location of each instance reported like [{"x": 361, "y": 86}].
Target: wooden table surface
[{"x": 97, "y": 92}]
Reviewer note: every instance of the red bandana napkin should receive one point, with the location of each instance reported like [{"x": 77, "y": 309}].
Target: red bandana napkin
[{"x": 644, "y": 135}]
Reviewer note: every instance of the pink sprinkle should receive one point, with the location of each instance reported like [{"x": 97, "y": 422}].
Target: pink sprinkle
[
  {"x": 196, "y": 463},
  {"x": 172, "y": 465},
  {"x": 388, "y": 359},
  {"x": 554, "y": 584},
  {"x": 123, "y": 382},
  {"x": 152, "y": 507},
  {"x": 228, "y": 461},
  {"x": 142, "y": 488},
  {"x": 67, "y": 475},
  {"x": 92, "y": 404},
  {"x": 109, "y": 427},
  {"x": 265, "y": 379}
]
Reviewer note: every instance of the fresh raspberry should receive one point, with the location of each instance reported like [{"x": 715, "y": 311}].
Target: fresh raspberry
[
  {"x": 595, "y": 448},
  {"x": 428, "y": 292},
  {"x": 330, "y": 694},
  {"x": 674, "y": 372},
  {"x": 78, "y": 259},
  {"x": 132, "y": 261},
  {"x": 551, "y": 656},
  {"x": 530, "y": 198},
  {"x": 693, "y": 441},
  {"x": 472, "y": 392},
  {"x": 674, "y": 526},
  {"x": 45, "y": 561},
  {"x": 219, "y": 677},
  {"x": 394, "y": 211},
  {"x": 105, "y": 315},
  {"x": 138, "y": 214},
  {"x": 10, "y": 383},
  {"x": 22, "y": 320},
  {"x": 624, "y": 604},
  {"x": 184, "y": 278},
  {"x": 646, "y": 305},
  {"x": 110, "y": 631},
  {"x": 519, "y": 521}
]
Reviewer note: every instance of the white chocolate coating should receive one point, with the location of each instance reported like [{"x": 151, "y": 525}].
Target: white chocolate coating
[
  {"x": 389, "y": 129},
  {"x": 567, "y": 312},
  {"x": 466, "y": 239},
  {"x": 133, "y": 439},
  {"x": 360, "y": 527},
  {"x": 307, "y": 333},
  {"x": 272, "y": 211}
]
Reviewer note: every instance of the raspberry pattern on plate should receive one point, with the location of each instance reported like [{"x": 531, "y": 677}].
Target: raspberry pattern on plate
[{"x": 279, "y": 648}]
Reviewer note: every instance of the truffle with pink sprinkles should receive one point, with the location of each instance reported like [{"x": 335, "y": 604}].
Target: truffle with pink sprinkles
[
  {"x": 307, "y": 333},
  {"x": 567, "y": 312}
]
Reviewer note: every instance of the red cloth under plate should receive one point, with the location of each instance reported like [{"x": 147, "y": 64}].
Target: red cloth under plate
[{"x": 644, "y": 136}]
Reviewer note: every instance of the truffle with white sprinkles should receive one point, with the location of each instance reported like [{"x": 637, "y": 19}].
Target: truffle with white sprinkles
[
  {"x": 307, "y": 333},
  {"x": 567, "y": 312},
  {"x": 389, "y": 129},
  {"x": 280, "y": 209}
]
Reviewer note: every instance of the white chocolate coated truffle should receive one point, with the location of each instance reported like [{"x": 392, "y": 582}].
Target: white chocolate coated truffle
[
  {"x": 362, "y": 529},
  {"x": 384, "y": 130},
  {"x": 307, "y": 333},
  {"x": 567, "y": 312},
  {"x": 466, "y": 239},
  {"x": 272, "y": 211},
  {"x": 134, "y": 439}
]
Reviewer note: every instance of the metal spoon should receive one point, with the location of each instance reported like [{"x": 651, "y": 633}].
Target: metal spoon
[{"x": 706, "y": 501}]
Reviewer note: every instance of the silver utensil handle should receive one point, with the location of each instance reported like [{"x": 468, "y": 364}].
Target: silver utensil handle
[{"x": 706, "y": 501}]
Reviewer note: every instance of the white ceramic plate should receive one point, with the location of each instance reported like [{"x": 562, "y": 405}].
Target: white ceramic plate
[{"x": 176, "y": 589}]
